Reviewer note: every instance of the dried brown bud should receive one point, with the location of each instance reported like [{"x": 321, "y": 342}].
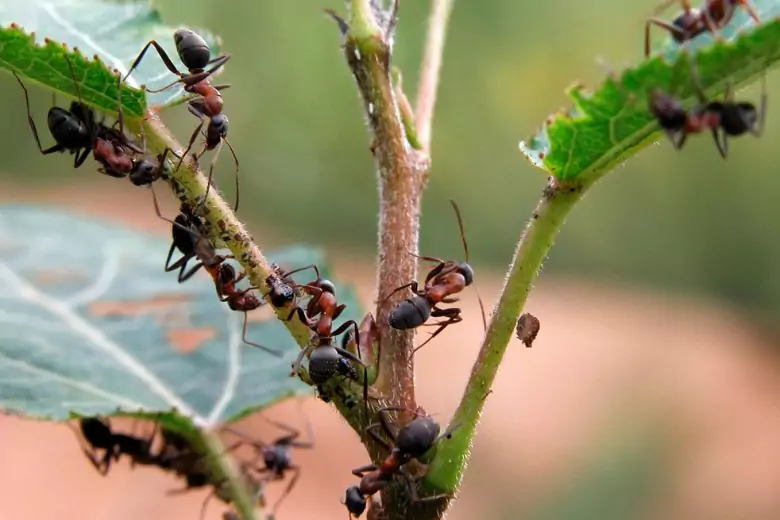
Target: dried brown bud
[{"x": 527, "y": 329}]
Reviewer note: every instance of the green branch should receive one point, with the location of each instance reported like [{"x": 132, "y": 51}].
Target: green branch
[{"x": 446, "y": 471}]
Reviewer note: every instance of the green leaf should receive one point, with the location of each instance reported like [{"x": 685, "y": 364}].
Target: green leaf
[
  {"x": 606, "y": 127},
  {"x": 92, "y": 324},
  {"x": 113, "y": 32}
]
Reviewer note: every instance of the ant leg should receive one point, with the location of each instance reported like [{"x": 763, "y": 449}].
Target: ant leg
[
  {"x": 221, "y": 59},
  {"x": 759, "y": 130},
  {"x": 235, "y": 160},
  {"x": 343, "y": 328},
  {"x": 79, "y": 160},
  {"x": 751, "y": 11},
  {"x": 206, "y": 503},
  {"x": 192, "y": 142},
  {"x": 371, "y": 430},
  {"x": 183, "y": 277},
  {"x": 164, "y": 55},
  {"x": 664, "y": 25},
  {"x": 339, "y": 310},
  {"x": 53, "y": 149},
  {"x": 361, "y": 471},
  {"x": 301, "y": 315},
  {"x": 721, "y": 141},
  {"x": 413, "y": 286},
  {"x": 297, "y": 473},
  {"x": 454, "y": 317},
  {"x": 269, "y": 350},
  {"x": 310, "y": 266},
  {"x": 297, "y": 364}
]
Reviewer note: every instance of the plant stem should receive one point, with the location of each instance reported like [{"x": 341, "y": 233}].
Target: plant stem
[
  {"x": 446, "y": 470},
  {"x": 399, "y": 170},
  {"x": 431, "y": 65},
  {"x": 189, "y": 184},
  {"x": 224, "y": 468}
]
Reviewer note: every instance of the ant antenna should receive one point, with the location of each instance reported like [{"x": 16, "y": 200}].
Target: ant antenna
[
  {"x": 466, "y": 249},
  {"x": 73, "y": 76}
]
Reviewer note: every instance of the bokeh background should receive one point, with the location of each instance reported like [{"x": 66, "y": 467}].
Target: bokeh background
[{"x": 653, "y": 389}]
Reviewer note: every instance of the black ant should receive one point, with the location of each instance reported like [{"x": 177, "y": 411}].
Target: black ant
[
  {"x": 282, "y": 291},
  {"x": 714, "y": 15},
  {"x": 195, "y": 54},
  {"x": 723, "y": 118},
  {"x": 73, "y": 130},
  {"x": 444, "y": 280},
  {"x": 99, "y": 436},
  {"x": 277, "y": 456},
  {"x": 412, "y": 442}
]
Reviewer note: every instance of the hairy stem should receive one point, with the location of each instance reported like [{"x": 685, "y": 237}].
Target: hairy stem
[
  {"x": 223, "y": 467},
  {"x": 399, "y": 168},
  {"x": 446, "y": 471},
  {"x": 431, "y": 65}
]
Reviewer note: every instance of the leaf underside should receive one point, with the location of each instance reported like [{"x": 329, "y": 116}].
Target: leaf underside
[
  {"x": 93, "y": 325},
  {"x": 607, "y": 126},
  {"x": 111, "y": 32}
]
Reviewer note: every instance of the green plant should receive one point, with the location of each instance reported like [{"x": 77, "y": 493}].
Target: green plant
[{"x": 577, "y": 149}]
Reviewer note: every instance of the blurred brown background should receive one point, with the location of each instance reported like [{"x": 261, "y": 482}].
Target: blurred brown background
[{"x": 652, "y": 390}]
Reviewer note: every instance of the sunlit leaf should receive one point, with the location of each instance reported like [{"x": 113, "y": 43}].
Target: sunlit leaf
[
  {"x": 609, "y": 125},
  {"x": 90, "y": 323},
  {"x": 113, "y": 32}
]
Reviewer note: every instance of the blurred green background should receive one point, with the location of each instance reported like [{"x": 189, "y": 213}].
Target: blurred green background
[
  {"x": 681, "y": 222},
  {"x": 686, "y": 221}
]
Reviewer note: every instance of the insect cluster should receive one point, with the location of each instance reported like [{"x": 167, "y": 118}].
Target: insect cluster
[
  {"x": 78, "y": 131},
  {"x": 722, "y": 118}
]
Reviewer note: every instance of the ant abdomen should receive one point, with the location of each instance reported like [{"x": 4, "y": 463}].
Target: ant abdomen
[
  {"x": 323, "y": 363},
  {"x": 738, "y": 118},
  {"x": 193, "y": 50},
  {"x": 68, "y": 130},
  {"x": 467, "y": 272},
  {"x": 355, "y": 501},
  {"x": 418, "y": 436},
  {"x": 410, "y": 313}
]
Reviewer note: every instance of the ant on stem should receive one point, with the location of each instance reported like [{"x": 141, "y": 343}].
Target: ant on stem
[
  {"x": 411, "y": 442},
  {"x": 714, "y": 15},
  {"x": 195, "y": 54},
  {"x": 444, "y": 280},
  {"x": 96, "y": 434}
]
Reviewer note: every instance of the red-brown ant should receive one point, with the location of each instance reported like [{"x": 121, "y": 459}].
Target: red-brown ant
[
  {"x": 195, "y": 54},
  {"x": 412, "y": 442},
  {"x": 723, "y": 118},
  {"x": 192, "y": 242},
  {"x": 444, "y": 280},
  {"x": 277, "y": 457},
  {"x": 714, "y": 15}
]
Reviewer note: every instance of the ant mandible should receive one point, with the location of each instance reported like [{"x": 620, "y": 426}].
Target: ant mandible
[
  {"x": 714, "y": 15},
  {"x": 723, "y": 118},
  {"x": 411, "y": 442},
  {"x": 277, "y": 456},
  {"x": 444, "y": 280},
  {"x": 195, "y": 54}
]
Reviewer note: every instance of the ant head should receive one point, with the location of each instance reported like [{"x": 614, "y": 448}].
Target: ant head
[
  {"x": 327, "y": 286},
  {"x": 355, "y": 501},
  {"x": 193, "y": 50},
  {"x": 667, "y": 110},
  {"x": 467, "y": 271},
  {"x": 144, "y": 172},
  {"x": 418, "y": 436},
  {"x": 95, "y": 429},
  {"x": 219, "y": 125}
]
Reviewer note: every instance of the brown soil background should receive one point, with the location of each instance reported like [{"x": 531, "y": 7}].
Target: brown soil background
[{"x": 605, "y": 356}]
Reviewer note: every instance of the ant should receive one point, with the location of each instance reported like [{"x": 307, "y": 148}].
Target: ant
[
  {"x": 323, "y": 303},
  {"x": 74, "y": 130},
  {"x": 411, "y": 442},
  {"x": 189, "y": 239},
  {"x": 714, "y": 15},
  {"x": 277, "y": 456},
  {"x": 282, "y": 291},
  {"x": 444, "y": 280},
  {"x": 98, "y": 435},
  {"x": 723, "y": 118},
  {"x": 195, "y": 54}
]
